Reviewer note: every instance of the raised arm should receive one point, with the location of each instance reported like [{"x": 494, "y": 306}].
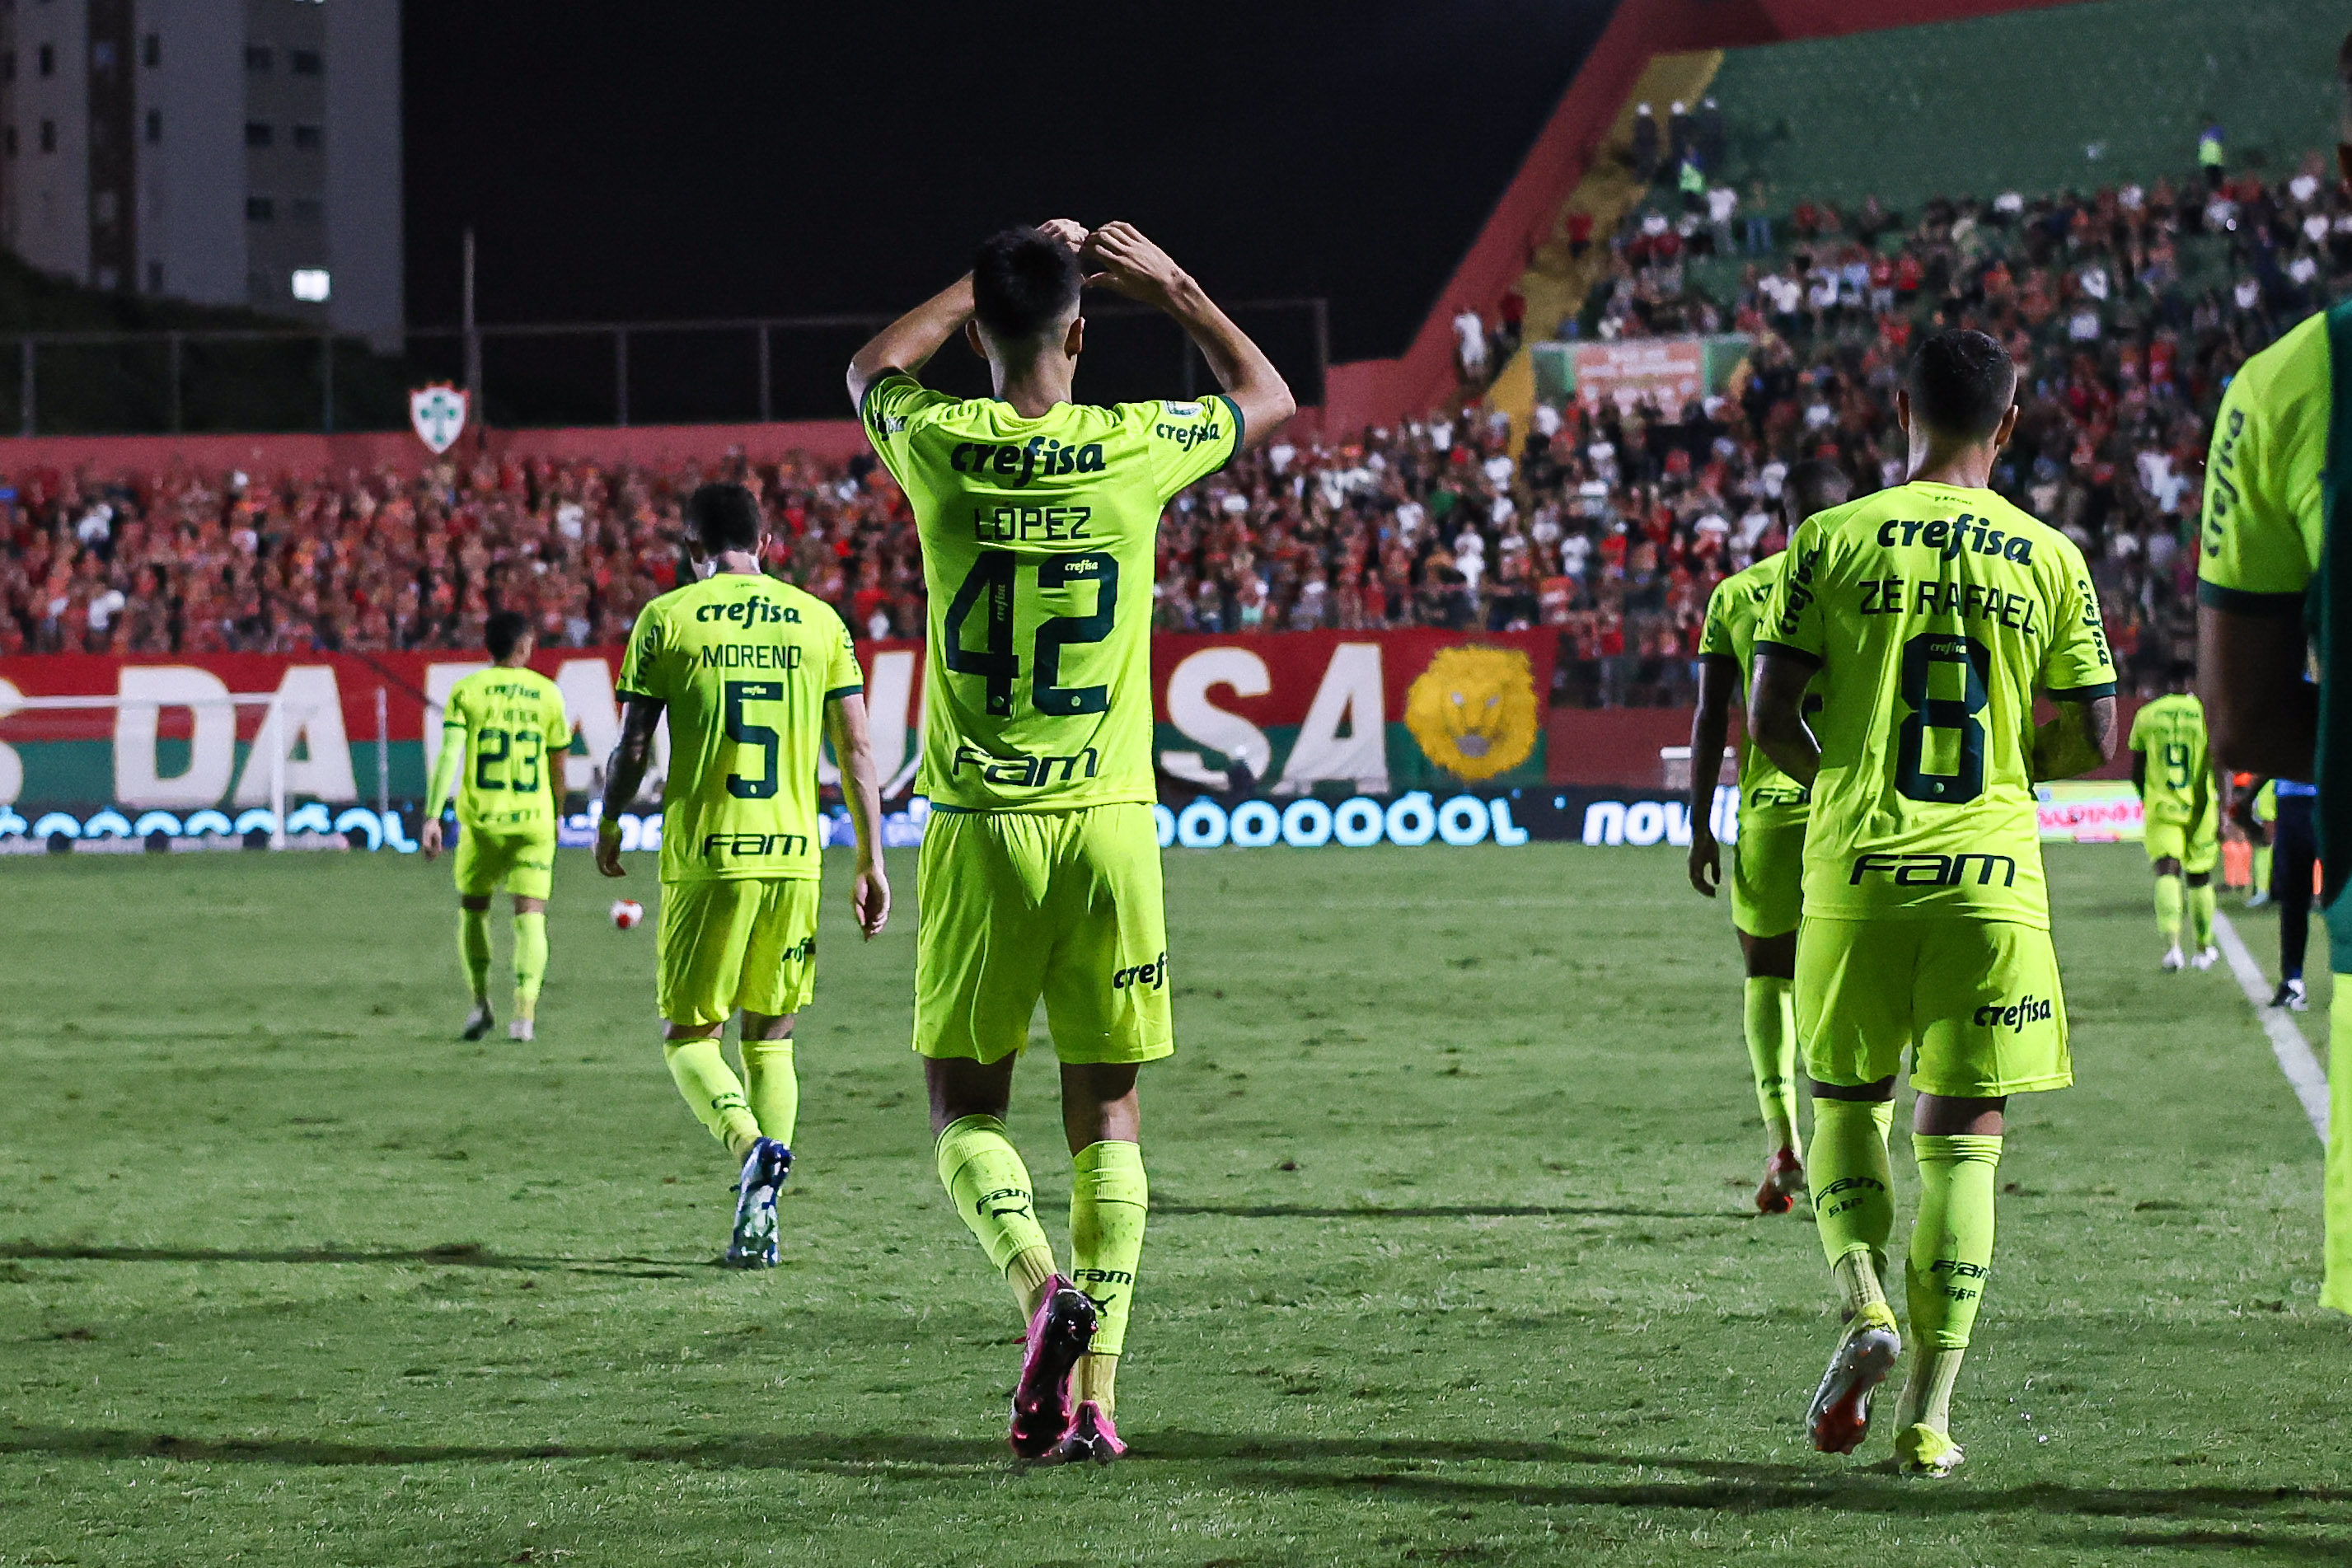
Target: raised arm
[
  {"x": 2083, "y": 736},
  {"x": 1718, "y": 678},
  {"x": 869, "y": 892},
  {"x": 1125, "y": 262},
  {"x": 909, "y": 343},
  {"x": 1776, "y": 714},
  {"x": 624, "y": 775}
]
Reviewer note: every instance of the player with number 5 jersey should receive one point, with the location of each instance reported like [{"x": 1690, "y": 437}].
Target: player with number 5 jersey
[
  {"x": 1039, "y": 877},
  {"x": 1927, "y": 616}
]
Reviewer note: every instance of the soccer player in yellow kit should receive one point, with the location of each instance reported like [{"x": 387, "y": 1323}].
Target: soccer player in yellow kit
[
  {"x": 1039, "y": 868},
  {"x": 2275, "y": 584},
  {"x": 503, "y": 736},
  {"x": 751, "y": 673},
  {"x": 1927, "y": 615},
  {"x": 1768, "y": 858},
  {"x": 2180, "y": 801}
]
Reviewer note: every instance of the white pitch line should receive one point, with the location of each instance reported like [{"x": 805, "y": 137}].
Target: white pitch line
[{"x": 2294, "y": 1053}]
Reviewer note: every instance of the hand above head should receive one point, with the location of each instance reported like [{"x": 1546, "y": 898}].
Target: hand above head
[
  {"x": 1069, "y": 231},
  {"x": 1125, "y": 262}
]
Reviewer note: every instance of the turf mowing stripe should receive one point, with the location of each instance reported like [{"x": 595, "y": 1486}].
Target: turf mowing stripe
[{"x": 2294, "y": 1053}]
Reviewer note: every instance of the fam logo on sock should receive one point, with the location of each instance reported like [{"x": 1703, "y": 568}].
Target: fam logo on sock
[{"x": 2026, "y": 1010}]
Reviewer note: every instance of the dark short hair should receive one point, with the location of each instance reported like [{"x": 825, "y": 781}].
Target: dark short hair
[
  {"x": 2183, "y": 670},
  {"x": 504, "y": 629},
  {"x": 1815, "y": 486},
  {"x": 1023, "y": 282},
  {"x": 723, "y": 517},
  {"x": 1961, "y": 382}
]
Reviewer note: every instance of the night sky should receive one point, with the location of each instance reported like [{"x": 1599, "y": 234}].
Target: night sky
[{"x": 762, "y": 159}]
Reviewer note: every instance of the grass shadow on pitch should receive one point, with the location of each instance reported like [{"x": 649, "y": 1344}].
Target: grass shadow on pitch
[
  {"x": 2303, "y": 1547},
  {"x": 448, "y": 1255},
  {"x": 1442, "y": 1211},
  {"x": 857, "y": 1453}
]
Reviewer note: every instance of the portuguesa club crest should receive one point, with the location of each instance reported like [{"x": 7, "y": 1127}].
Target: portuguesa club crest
[{"x": 438, "y": 413}]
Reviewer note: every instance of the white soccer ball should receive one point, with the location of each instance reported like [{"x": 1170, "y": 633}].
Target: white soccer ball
[{"x": 627, "y": 912}]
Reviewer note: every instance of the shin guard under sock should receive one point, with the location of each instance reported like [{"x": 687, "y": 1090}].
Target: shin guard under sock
[
  {"x": 1771, "y": 1027},
  {"x": 1109, "y": 1200},
  {"x": 2170, "y": 900},
  {"x": 712, "y": 1091},
  {"x": 773, "y": 1087},
  {"x": 1852, "y": 1191},
  {"x": 1951, "y": 1256},
  {"x": 2201, "y": 916},
  {"x": 989, "y": 1184},
  {"x": 474, "y": 949},
  {"x": 529, "y": 960}
]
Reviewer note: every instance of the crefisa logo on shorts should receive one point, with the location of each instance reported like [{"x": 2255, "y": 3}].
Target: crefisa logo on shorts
[
  {"x": 1154, "y": 974},
  {"x": 2015, "y": 1015}
]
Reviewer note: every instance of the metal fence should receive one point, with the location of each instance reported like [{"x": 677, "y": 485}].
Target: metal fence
[{"x": 563, "y": 373}]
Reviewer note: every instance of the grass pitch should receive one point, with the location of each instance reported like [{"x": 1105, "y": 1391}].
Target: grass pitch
[{"x": 1449, "y": 1259}]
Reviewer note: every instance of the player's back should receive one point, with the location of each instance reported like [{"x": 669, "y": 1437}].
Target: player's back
[
  {"x": 1039, "y": 535},
  {"x": 515, "y": 733},
  {"x": 1934, "y": 613},
  {"x": 2169, "y": 731},
  {"x": 1733, "y": 613},
  {"x": 744, "y": 664}
]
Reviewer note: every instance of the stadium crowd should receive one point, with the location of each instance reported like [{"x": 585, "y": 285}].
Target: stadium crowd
[{"x": 1611, "y": 523}]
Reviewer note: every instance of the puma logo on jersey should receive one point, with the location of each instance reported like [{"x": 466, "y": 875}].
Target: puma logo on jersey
[
  {"x": 1931, "y": 870},
  {"x": 1950, "y": 537},
  {"x": 1039, "y": 455}
]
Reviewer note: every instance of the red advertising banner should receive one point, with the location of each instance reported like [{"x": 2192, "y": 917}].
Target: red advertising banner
[{"x": 1375, "y": 711}]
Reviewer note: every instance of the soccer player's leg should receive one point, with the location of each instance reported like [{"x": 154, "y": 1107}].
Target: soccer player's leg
[
  {"x": 2165, "y": 843},
  {"x": 1854, "y": 1009},
  {"x": 2201, "y": 855},
  {"x": 777, "y": 980},
  {"x": 1767, "y": 868},
  {"x": 699, "y": 945},
  {"x": 1996, "y": 1027},
  {"x": 531, "y": 877},
  {"x": 1108, "y": 1003},
  {"x": 479, "y": 866},
  {"x": 981, "y": 947},
  {"x": 2295, "y": 852},
  {"x": 2336, "y": 1277}
]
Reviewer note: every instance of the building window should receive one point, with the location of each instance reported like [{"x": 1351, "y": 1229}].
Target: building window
[
  {"x": 313, "y": 284},
  {"x": 7, "y": 64},
  {"x": 47, "y": 59},
  {"x": 154, "y": 126},
  {"x": 309, "y": 138},
  {"x": 154, "y": 278},
  {"x": 49, "y": 136},
  {"x": 307, "y": 209},
  {"x": 305, "y": 62},
  {"x": 150, "y": 50},
  {"x": 260, "y": 210},
  {"x": 9, "y": 139},
  {"x": 257, "y": 133},
  {"x": 256, "y": 58}
]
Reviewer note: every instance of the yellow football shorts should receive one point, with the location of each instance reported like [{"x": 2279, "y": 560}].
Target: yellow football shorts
[
  {"x": 1767, "y": 878},
  {"x": 748, "y": 943},
  {"x": 2197, "y": 845},
  {"x": 1015, "y": 905},
  {"x": 1978, "y": 1003},
  {"x": 486, "y": 859}
]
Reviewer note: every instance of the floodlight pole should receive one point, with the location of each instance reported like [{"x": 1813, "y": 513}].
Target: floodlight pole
[{"x": 473, "y": 344}]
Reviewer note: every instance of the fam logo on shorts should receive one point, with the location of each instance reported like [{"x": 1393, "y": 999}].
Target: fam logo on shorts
[
  {"x": 2017, "y": 1015},
  {"x": 1473, "y": 710}
]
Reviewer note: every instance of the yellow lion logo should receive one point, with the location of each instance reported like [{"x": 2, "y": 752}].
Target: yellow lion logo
[{"x": 1473, "y": 710}]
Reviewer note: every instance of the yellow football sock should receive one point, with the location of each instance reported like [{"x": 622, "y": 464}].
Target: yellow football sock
[
  {"x": 2201, "y": 916},
  {"x": 529, "y": 960},
  {"x": 990, "y": 1185},
  {"x": 773, "y": 1087},
  {"x": 474, "y": 949},
  {"x": 712, "y": 1091},
  {"x": 2169, "y": 899},
  {"x": 1771, "y": 1025},
  {"x": 1109, "y": 1201},
  {"x": 1951, "y": 1255},
  {"x": 1853, "y": 1188},
  {"x": 2261, "y": 878}
]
